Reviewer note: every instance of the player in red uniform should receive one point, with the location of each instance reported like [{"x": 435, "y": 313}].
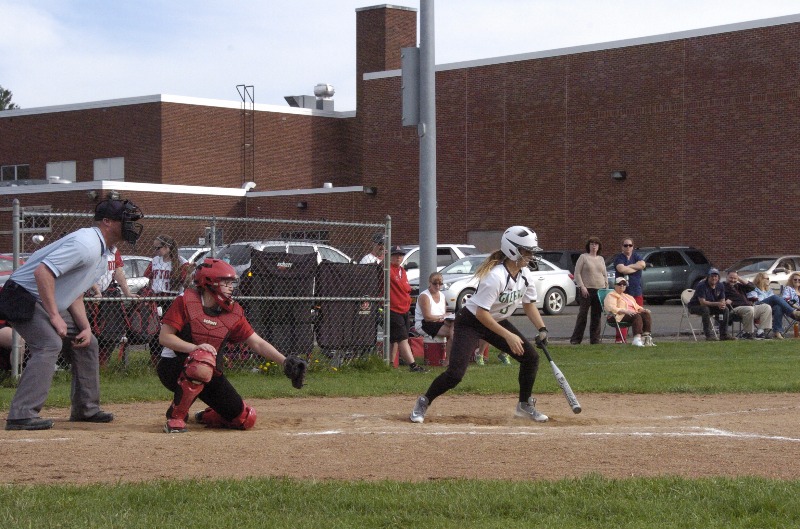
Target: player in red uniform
[{"x": 193, "y": 332}]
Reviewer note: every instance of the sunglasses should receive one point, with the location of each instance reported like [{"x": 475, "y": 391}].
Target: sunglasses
[
  {"x": 440, "y": 283},
  {"x": 795, "y": 280},
  {"x": 627, "y": 245}
]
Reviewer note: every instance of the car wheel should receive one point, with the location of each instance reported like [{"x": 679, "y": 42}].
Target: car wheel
[
  {"x": 463, "y": 296},
  {"x": 554, "y": 301}
]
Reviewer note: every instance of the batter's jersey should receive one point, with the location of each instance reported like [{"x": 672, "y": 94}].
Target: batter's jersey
[{"x": 501, "y": 294}]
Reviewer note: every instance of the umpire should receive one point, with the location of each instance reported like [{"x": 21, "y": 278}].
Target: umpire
[{"x": 43, "y": 299}]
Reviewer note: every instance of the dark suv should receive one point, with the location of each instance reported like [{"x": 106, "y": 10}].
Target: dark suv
[{"x": 670, "y": 270}]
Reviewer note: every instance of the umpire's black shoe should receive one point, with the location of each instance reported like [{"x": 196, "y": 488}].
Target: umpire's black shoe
[
  {"x": 100, "y": 416},
  {"x": 34, "y": 423}
]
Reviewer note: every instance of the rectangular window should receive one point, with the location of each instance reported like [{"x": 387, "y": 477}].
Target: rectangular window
[
  {"x": 15, "y": 172},
  {"x": 64, "y": 170},
  {"x": 109, "y": 169},
  {"x": 33, "y": 223}
]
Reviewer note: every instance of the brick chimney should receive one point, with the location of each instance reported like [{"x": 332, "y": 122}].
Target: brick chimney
[{"x": 381, "y": 31}]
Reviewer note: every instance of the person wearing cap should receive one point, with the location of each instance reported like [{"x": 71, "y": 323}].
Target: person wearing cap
[
  {"x": 709, "y": 299},
  {"x": 399, "y": 305},
  {"x": 376, "y": 255},
  {"x": 624, "y": 308},
  {"x": 54, "y": 279}
]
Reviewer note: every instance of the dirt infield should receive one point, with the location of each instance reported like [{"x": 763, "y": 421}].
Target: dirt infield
[{"x": 463, "y": 437}]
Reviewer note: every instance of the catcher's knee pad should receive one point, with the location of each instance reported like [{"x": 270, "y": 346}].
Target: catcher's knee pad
[
  {"x": 200, "y": 365},
  {"x": 212, "y": 419}
]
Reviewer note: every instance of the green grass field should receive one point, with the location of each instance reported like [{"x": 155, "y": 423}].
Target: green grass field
[{"x": 593, "y": 501}]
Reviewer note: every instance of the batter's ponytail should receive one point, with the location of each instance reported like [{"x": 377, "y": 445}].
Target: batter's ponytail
[{"x": 494, "y": 259}]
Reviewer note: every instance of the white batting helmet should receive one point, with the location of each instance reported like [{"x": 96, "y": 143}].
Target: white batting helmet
[{"x": 516, "y": 238}]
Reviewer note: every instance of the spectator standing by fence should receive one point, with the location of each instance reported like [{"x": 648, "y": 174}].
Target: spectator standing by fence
[
  {"x": 399, "y": 305},
  {"x": 590, "y": 276},
  {"x": 629, "y": 264}
]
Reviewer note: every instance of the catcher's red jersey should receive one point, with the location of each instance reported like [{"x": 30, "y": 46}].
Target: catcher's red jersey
[{"x": 187, "y": 310}]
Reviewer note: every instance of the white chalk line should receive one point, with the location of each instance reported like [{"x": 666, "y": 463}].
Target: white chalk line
[
  {"x": 444, "y": 431},
  {"x": 30, "y": 440},
  {"x": 724, "y": 413}
]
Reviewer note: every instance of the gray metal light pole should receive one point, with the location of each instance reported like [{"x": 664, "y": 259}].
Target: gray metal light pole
[{"x": 426, "y": 129}]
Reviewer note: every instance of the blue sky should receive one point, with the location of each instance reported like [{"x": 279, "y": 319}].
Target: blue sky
[{"x": 55, "y": 52}]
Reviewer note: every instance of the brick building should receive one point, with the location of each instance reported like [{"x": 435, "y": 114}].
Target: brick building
[{"x": 704, "y": 125}]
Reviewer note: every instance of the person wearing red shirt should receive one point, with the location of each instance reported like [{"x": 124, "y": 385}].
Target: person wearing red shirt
[{"x": 399, "y": 305}]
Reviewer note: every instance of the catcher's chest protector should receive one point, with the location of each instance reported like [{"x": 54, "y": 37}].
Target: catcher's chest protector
[{"x": 209, "y": 329}]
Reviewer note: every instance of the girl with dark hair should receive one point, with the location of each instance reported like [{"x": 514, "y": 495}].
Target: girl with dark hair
[{"x": 590, "y": 276}]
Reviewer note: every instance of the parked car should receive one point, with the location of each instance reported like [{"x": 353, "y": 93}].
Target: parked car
[
  {"x": 238, "y": 253},
  {"x": 7, "y": 266},
  {"x": 670, "y": 270},
  {"x": 194, "y": 254},
  {"x": 445, "y": 255},
  {"x": 555, "y": 287},
  {"x": 777, "y": 267},
  {"x": 135, "y": 265},
  {"x": 564, "y": 259}
]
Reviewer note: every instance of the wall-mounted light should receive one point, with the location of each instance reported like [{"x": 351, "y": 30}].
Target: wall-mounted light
[
  {"x": 247, "y": 186},
  {"x": 302, "y": 204},
  {"x": 113, "y": 195},
  {"x": 619, "y": 175},
  {"x": 92, "y": 194},
  {"x": 370, "y": 190}
]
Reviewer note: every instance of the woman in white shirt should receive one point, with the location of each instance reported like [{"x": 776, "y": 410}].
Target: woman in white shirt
[
  {"x": 505, "y": 284},
  {"x": 429, "y": 316}
]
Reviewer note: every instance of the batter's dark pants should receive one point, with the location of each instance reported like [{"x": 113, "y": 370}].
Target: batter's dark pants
[{"x": 467, "y": 333}]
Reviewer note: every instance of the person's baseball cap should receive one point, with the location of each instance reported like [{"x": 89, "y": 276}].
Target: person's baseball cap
[
  {"x": 110, "y": 209},
  {"x": 621, "y": 279},
  {"x": 397, "y": 250},
  {"x": 713, "y": 271}
]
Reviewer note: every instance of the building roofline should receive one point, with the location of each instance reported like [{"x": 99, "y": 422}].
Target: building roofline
[
  {"x": 116, "y": 185},
  {"x": 386, "y": 6},
  {"x": 586, "y": 48},
  {"x": 167, "y": 98}
]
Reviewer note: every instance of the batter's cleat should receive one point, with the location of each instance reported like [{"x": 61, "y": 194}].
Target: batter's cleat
[
  {"x": 175, "y": 426},
  {"x": 420, "y": 407},
  {"x": 504, "y": 359},
  {"x": 528, "y": 410}
]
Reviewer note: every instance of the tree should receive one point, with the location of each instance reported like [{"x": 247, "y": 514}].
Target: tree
[{"x": 5, "y": 100}]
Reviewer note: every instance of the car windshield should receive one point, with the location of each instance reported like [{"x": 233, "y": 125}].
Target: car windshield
[
  {"x": 465, "y": 265},
  {"x": 753, "y": 264}
]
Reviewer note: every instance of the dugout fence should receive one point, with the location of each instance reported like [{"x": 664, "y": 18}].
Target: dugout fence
[{"x": 300, "y": 284}]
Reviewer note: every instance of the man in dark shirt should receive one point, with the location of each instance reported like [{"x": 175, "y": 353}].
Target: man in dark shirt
[
  {"x": 736, "y": 292},
  {"x": 709, "y": 299}
]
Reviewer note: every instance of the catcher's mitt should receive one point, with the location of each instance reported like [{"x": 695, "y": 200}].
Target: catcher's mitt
[{"x": 295, "y": 369}]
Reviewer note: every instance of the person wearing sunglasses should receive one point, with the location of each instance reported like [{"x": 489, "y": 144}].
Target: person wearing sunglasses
[
  {"x": 429, "y": 315},
  {"x": 629, "y": 264}
]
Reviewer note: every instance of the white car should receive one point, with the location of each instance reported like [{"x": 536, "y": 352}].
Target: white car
[
  {"x": 238, "y": 253},
  {"x": 194, "y": 254},
  {"x": 555, "y": 287},
  {"x": 777, "y": 267},
  {"x": 135, "y": 265},
  {"x": 445, "y": 255}
]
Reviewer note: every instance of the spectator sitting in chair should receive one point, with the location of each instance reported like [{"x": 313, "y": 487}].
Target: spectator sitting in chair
[
  {"x": 736, "y": 292},
  {"x": 623, "y": 308},
  {"x": 762, "y": 295},
  {"x": 709, "y": 299},
  {"x": 790, "y": 292}
]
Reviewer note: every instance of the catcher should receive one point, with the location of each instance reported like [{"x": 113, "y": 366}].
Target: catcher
[{"x": 193, "y": 331}]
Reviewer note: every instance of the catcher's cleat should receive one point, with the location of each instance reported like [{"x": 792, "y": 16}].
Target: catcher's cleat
[
  {"x": 198, "y": 417},
  {"x": 528, "y": 410},
  {"x": 175, "y": 426}
]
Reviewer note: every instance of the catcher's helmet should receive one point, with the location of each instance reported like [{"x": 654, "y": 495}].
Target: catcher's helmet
[
  {"x": 208, "y": 275},
  {"x": 518, "y": 238}
]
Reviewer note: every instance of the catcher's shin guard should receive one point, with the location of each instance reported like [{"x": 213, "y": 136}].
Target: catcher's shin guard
[
  {"x": 198, "y": 370},
  {"x": 212, "y": 419}
]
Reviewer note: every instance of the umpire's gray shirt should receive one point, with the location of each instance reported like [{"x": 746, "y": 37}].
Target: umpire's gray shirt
[{"x": 78, "y": 260}]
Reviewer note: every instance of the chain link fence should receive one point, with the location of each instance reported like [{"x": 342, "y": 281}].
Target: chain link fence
[{"x": 301, "y": 286}]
